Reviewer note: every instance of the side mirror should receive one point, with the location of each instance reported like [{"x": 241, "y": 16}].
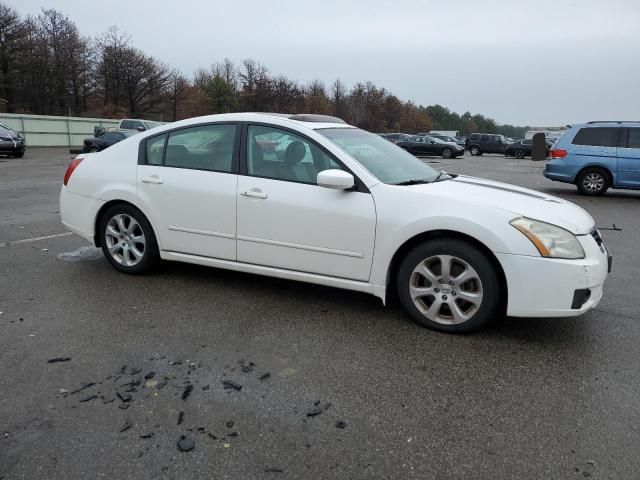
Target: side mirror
[
  {"x": 337, "y": 179},
  {"x": 140, "y": 129}
]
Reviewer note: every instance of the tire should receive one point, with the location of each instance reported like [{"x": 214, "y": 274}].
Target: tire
[
  {"x": 519, "y": 154},
  {"x": 94, "y": 150},
  {"x": 446, "y": 153},
  {"x": 19, "y": 154},
  {"x": 129, "y": 230},
  {"x": 478, "y": 299},
  {"x": 593, "y": 181},
  {"x": 475, "y": 151}
]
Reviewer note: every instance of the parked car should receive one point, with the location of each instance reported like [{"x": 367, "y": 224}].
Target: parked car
[
  {"x": 430, "y": 146},
  {"x": 105, "y": 140},
  {"x": 137, "y": 125},
  {"x": 479, "y": 143},
  {"x": 449, "y": 139},
  {"x": 394, "y": 137},
  {"x": 596, "y": 156},
  {"x": 523, "y": 148},
  {"x": 11, "y": 143},
  {"x": 343, "y": 208}
]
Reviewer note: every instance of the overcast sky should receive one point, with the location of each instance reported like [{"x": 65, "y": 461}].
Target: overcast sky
[{"x": 525, "y": 62}]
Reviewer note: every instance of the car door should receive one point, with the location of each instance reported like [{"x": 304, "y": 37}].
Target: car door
[
  {"x": 596, "y": 146},
  {"x": 629, "y": 157},
  {"x": 285, "y": 220},
  {"x": 187, "y": 179}
]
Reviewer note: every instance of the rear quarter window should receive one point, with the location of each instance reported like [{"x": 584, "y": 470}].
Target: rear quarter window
[{"x": 597, "y": 137}]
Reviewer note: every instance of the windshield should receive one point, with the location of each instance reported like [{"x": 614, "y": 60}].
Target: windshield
[{"x": 386, "y": 161}]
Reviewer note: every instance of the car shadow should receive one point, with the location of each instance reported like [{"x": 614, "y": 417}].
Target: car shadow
[{"x": 553, "y": 332}]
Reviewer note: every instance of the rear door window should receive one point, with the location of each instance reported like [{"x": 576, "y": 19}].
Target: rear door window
[
  {"x": 597, "y": 137},
  {"x": 634, "y": 138},
  {"x": 474, "y": 136},
  {"x": 484, "y": 138}
]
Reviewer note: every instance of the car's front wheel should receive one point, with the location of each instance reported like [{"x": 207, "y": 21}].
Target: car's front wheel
[
  {"x": 519, "y": 153},
  {"x": 475, "y": 151},
  {"x": 446, "y": 153},
  {"x": 449, "y": 285},
  {"x": 127, "y": 239}
]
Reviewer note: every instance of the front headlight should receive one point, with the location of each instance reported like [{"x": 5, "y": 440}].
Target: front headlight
[{"x": 551, "y": 241}]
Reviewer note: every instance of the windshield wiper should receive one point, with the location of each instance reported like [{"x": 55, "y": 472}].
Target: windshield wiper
[
  {"x": 442, "y": 172},
  {"x": 413, "y": 181}
]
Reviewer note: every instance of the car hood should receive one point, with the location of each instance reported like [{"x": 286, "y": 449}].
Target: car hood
[{"x": 517, "y": 200}]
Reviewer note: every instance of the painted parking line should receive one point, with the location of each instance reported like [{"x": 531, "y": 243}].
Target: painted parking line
[{"x": 35, "y": 239}]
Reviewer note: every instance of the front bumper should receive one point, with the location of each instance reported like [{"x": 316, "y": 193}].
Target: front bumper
[
  {"x": 12, "y": 147},
  {"x": 548, "y": 287}
]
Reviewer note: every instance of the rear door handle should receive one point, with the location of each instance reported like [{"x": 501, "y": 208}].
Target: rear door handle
[
  {"x": 255, "y": 192},
  {"x": 151, "y": 179}
]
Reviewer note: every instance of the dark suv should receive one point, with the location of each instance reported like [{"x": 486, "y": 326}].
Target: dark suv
[{"x": 479, "y": 143}]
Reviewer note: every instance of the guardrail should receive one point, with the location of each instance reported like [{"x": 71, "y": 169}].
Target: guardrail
[{"x": 53, "y": 131}]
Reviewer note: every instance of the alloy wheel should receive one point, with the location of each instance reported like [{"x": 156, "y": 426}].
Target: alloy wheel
[
  {"x": 446, "y": 289},
  {"x": 593, "y": 182},
  {"x": 125, "y": 240}
]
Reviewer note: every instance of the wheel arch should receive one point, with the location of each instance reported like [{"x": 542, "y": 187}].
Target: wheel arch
[
  {"x": 111, "y": 203},
  {"x": 596, "y": 166},
  {"x": 401, "y": 252}
]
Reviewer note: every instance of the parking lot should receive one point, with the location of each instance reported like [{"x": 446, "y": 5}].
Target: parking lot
[{"x": 275, "y": 379}]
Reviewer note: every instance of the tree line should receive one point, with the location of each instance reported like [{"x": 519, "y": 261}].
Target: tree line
[{"x": 48, "y": 68}]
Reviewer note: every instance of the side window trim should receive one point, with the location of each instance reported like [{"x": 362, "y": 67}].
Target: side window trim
[
  {"x": 235, "y": 160},
  {"x": 359, "y": 184}
]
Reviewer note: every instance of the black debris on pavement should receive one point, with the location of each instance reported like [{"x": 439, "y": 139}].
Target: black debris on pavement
[
  {"x": 88, "y": 399},
  {"x": 149, "y": 375},
  {"x": 273, "y": 470},
  {"x": 124, "y": 406},
  {"x": 180, "y": 418},
  {"x": 230, "y": 384},
  {"x": 134, "y": 371},
  {"x": 230, "y": 424},
  {"x": 124, "y": 397},
  {"x": 341, "y": 424},
  {"x": 59, "y": 359},
  {"x": 264, "y": 376},
  {"x": 147, "y": 435},
  {"x": 83, "y": 387},
  {"x": 126, "y": 426},
  {"x": 206, "y": 387},
  {"x": 185, "y": 443},
  {"x": 318, "y": 408},
  {"x": 187, "y": 391}
]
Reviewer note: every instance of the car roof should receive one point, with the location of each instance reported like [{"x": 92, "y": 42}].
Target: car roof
[
  {"x": 608, "y": 123},
  {"x": 310, "y": 121}
]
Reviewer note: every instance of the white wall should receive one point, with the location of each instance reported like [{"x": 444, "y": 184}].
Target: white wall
[{"x": 51, "y": 131}]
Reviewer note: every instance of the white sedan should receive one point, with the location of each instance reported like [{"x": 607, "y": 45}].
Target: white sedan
[{"x": 338, "y": 206}]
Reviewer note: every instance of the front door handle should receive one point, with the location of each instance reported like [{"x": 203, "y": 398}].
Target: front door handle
[
  {"x": 151, "y": 179},
  {"x": 255, "y": 192}
]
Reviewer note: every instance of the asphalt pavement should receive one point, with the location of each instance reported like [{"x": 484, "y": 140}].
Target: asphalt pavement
[{"x": 263, "y": 378}]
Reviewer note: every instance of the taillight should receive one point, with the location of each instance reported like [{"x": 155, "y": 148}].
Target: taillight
[
  {"x": 558, "y": 153},
  {"x": 72, "y": 166}
]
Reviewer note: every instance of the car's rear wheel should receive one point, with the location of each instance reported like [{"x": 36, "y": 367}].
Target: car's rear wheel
[
  {"x": 127, "y": 239},
  {"x": 449, "y": 285},
  {"x": 475, "y": 151},
  {"x": 593, "y": 181},
  {"x": 446, "y": 153},
  {"x": 519, "y": 153}
]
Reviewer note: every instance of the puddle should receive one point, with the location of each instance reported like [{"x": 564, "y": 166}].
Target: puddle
[{"x": 83, "y": 253}]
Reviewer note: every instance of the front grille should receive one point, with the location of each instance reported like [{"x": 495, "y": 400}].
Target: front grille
[{"x": 596, "y": 236}]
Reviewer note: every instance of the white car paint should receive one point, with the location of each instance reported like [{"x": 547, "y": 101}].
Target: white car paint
[{"x": 338, "y": 238}]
